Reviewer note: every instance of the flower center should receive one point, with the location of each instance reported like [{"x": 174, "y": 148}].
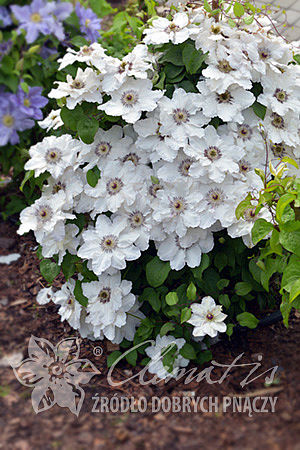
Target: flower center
[
  {"x": 133, "y": 157},
  {"x": 184, "y": 167},
  {"x": 277, "y": 121},
  {"x": 278, "y": 150},
  {"x": 178, "y": 205},
  {"x": 35, "y": 17},
  {"x": 26, "y": 102},
  {"x": 53, "y": 155},
  {"x": 129, "y": 98},
  {"x": 58, "y": 187},
  {"x": 180, "y": 116},
  {"x": 216, "y": 29},
  {"x": 224, "y": 66},
  {"x": 209, "y": 316},
  {"x": 108, "y": 243},
  {"x": 104, "y": 295},
  {"x": 87, "y": 22},
  {"x": 114, "y": 186},
  {"x": 86, "y": 50},
  {"x": 264, "y": 53},
  {"x": 136, "y": 219},
  {"x": 70, "y": 301},
  {"x": 249, "y": 214},
  {"x": 154, "y": 188},
  {"x": 281, "y": 95},
  {"x": 103, "y": 148},
  {"x": 226, "y": 97},
  {"x": 212, "y": 153},
  {"x": 77, "y": 84},
  {"x": 8, "y": 120},
  {"x": 172, "y": 27},
  {"x": 44, "y": 213},
  {"x": 244, "y": 166},
  {"x": 215, "y": 197},
  {"x": 244, "y": 132}
]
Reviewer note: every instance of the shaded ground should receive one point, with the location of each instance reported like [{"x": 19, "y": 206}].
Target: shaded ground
[{"x": 57, "y": 428}]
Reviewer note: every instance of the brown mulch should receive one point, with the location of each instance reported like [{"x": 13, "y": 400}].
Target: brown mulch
[{"x": 57, "y": 428}]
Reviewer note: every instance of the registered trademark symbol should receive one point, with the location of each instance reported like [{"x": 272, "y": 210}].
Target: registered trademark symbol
[{"x": 98, "y": 351}]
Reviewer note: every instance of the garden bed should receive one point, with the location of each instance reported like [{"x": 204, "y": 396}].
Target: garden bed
[{"x": 22, "y": 429}]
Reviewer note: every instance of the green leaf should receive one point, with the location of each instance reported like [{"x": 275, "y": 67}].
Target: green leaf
[
  {"x": 131, "y": 357},
  {"x": 290, "y": 240},
  {"x": 259, "y": 109},
  {"x": 29, "y": 174},
  {"x": 92, "y": 176},
  {"x": 113, "y": 357},
  {"x": 171, "y": 298},
  {"x": 207, "y": 6},
  {"x": 248, "y": 20},
  {"x": 238, "y": 9},
  {"x": 224, "y": 300},
  {"x": 283, "y": 202},
  {"x": 79, "y": 41},
  {"x": 68, "y": 265},
  {"x": 274, "y": 242},
  {"x": 173, "y": 71},
  {"x": 291, "y": 274},
  {"x": 197, "y": 271},
  {"x": 204, "y": 357},
  {"x": 221, "y": 284},
  {"x": 185, "y": 315},
  {"x": 188, "y": 352},
  {"x": 220, "y": 261},
  {"x": 173, "y": 55},
  {"x": 231, "y": 22},
  {"x": 192, "y": 58},
  {"x": 295, "y": 291},
  {"x": 157, "y": 271},
  {"x": 71, "y": 117},
  {"x": 191, "y": 292},
  {"x": 101, "y": 7},
  {"x": 247, "y": 319},
  {"x": 150, "y": 295},
  {"x": 297, "y": 58},
  {"x": 243, "y": 205},
  {"x": 87, "y": 128},
  {"x": 166, "y": 328},
  {"x": 229, "y": 330},
  {"x": 49, "y": 269},
  {"x": 285, "y": 309},
  {"x": 243, "y": 288},
  {"x": 79, "y": 294},
  {"x": 260, "y": 230}
]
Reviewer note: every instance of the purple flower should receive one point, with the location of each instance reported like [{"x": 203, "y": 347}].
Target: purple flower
[
  {"x": 5, "y": 19},
  {"x": 42, "y": 17},
  {"x": 89, "y": 22},
  {"x": 62, "y": 10},
  {"x": 30, "y": 104},
  {"x": 5, "y": 48},
  {"x": 34, "y": 19},
  {"x": 11, "y": 119}
]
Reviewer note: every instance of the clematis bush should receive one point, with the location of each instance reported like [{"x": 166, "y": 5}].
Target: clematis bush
[
  {"x": 32, "y": 38},
  {"x": 144, "y": 177}
]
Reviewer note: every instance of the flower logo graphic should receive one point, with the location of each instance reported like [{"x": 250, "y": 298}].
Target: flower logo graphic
[{"x": 55, "y": 374}]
